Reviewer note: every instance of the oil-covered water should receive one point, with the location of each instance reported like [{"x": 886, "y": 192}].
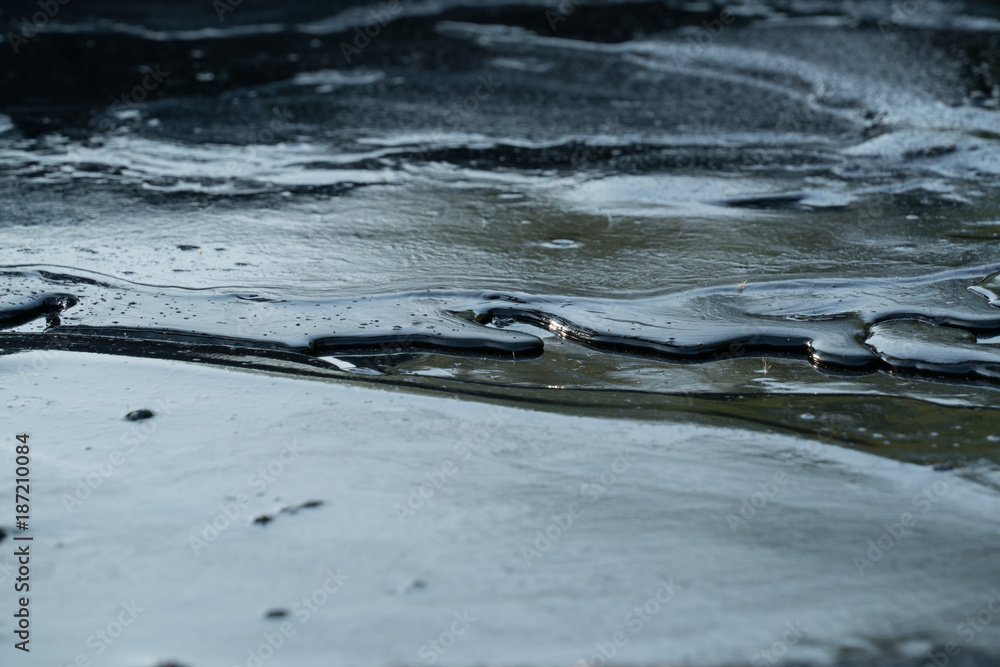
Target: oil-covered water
[{"x": 529, "y": 315}]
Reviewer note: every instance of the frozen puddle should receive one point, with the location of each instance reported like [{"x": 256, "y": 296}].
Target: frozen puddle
[{"x": 381, "y": 527}]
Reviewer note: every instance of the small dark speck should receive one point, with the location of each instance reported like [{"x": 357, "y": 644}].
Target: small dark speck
[
  {"x": 944, "y": 467},
  {"x": 3, "y": 534},
  {"x": 139, "y": 415},
  {"x": 312, "y": 503},
  {"x": 263, "y": 519},
  {"x": 188, "y": 247},
  {"x": 276, "y": 613},
  {"x": 170, "y": 663}
]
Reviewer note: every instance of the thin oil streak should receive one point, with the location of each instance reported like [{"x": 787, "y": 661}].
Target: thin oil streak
[{"x": 431, "y": 385}]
